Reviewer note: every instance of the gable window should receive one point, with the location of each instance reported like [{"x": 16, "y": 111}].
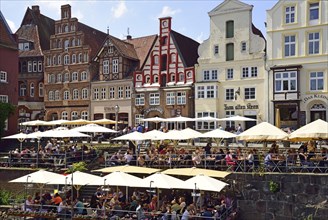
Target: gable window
[
  {"x": 156, "y": 79},
  {"x": 127, "y": 92},
  {"x": 106, "y": 67},
  {"x": 290, "y": 45},
  {"x": 85, "y": 93},
  {"x": 249, "y": 93},
  {"x": 110, "y": 49},
  {"x": 3, "y": 76},
  {"x": 181, "y": 77},
  {"x": 32, "y": 89},
  {"x": 173, "y": 58},
  {"x": 170, "y": 98},
  {"x": 229, "y": 94},
  {"x": 140, "y": 99},
  {"x": 41, "y": 90},
  {"x": 172, "y": 77},
  {"x": 289, "y": 14},
  {"x": 115, "y": 65},
  {"x": 35, "y": 66},
  {"x": 314, "y": 43},
  {"x": 216, "y": 49},
  {"x": 229, "y": 52},
  {"x": 120, "y": 92},
  {"x": 316, "y": 81},
  {"x": 39, "y": 66},
  {"x": 147, "y": 79},
  {"x": 229, "y": 74},
  {"x": 314, "y": 11},
  {"x": 181, "y": 98},
  {"x": 229, "y": 29},
  {"x": 112, "y": 92},
  {"x": 156, "y": 60},
  {"x": 154, "y": 99},
  {"x": 285, "y": 81}
]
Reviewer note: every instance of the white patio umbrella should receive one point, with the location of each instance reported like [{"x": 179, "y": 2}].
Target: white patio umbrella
[
  {"x": 34, "y": 123},
  {"x": 313, "y": 131},
  {"x": 77, "y": 122},
  {"x": 179, "y": 119},
  {"x": 56, "y": 122},
  {"x": 162, "y": 181},
  {"x": 193, "y": 171},
  {"x": 154, "y": 119},
  {"x": 156, "y": 135},
  {"x": 178, "y": 135},
  {"x": 191, "y": 132},
  {"x": 93, "y": 128},
  {"x": 207, "y": 118},
  {"x": 119, "y": 178},
  {"x": 133, "y": 136},
  {"x": 237, "y": 118},
  {"x": 20, "y": 137},
  {"x": 63, "y": 134},
  {"x": 128, "y": 169},
  {"x": 103, "y": 121},
  {"x": 204, "y": 183},
  {"x": 218, "y": 133},
  {"x": 263, "y": 132},
  {"x": 40, "y": 177}
]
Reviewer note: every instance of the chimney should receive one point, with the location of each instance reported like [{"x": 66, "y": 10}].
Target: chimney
[
  {"x": 36, "y": 9},
  {"x": 128, "y": 37}
]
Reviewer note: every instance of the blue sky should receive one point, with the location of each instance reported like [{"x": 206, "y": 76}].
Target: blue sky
[{"x": 189, "y": 18}]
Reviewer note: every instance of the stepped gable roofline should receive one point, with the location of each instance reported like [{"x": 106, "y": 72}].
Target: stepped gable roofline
[
  {"x": 93, "y": 37},
  {"x": 126, "y": 49},
  {"x": 223, "y": 8},
  {"x": 29, "y": 33},
  {"x": 46, "y": 25},
  {"x": 143, "y": 46},
  {"x": 7, "y": 38},
  {"x": 187, "y": 48}
]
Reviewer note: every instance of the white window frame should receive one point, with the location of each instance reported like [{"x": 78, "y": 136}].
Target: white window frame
[
  {"x": 66, "y": 77},
  {"x": 59, "y": 78},
  {"x": 66, "y": 95},
  {"x": 75, "y": 94},
  {"x": 57, "y": 95},
  {"x": 103, "y": 93},
  {"x": 290, "y": 14},
  {"x": 281, "y": 78},
  {"x": 200, "y": 92},
  {"x": 317, "y": 77},
  {"x": 249, "y": 72},
  {"x": 229, "y": 94},
  {"x": 84, "y": 76},
  {"x": 181, "y": 98},
  {"x": 64, "y": 115},
  {"x": 51, "y": 96},
  {"x": 79, "y": 58},
  {"x": 289, "y": 45},
  {"x": 95, "y": 93},
  {"x": 106, "y": 67},
  {"x": 314, "y": 7},
  {"x": 127, "y": 92},
  {"x": 32, "y": 89},
  {"x": 115, "y": 65},
  {"x": 75, "y": 76},
  {"x": 211, "y": 91},
  {"x": 120, "y": 92},
  {"x": 40, "y": 66},
  {"x": 73, "y": 58},
  {"x": 111, "y": 92},
  {"x": 4, "y": 99},
  {"x": 229, "y": 73},
  {"x": 314, "y": 43},
  {"x": 140, "y": 99},
  {"x": 170, "y": 98},
  {"x": 22, "y": 89},
  {"x": 29, "y": 66},
  {"x": 154, "y": 99},
  {"x": 66, "y": 59},
  {"x": 41, "y": 89},
  {"x": 3, "y": 77},
  {"x": 231, "y": 124},
  {"x": 250, "y": 93},
  {"x": 85, "y": 93},
  {"x": 216, "y": 49},
  {"x": 138, "y": 119},
  {"x": 84, "y": 115},
  {"x": 35, "y": 66},
  {"x": 74, "y": 115},
  {"x": 205, "y": 125}
]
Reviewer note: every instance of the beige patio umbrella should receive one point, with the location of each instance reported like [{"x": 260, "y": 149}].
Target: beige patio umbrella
[
  {"x": 128, "y": 169},
  {"x": 315, "y": 130},
  {"x": 218, "y": 135},
  {"x": 278, "y": 121},
  {"x": 193, "y": 171},
  {"x": 34, "y": 123},
  {"x": 263, "y": 132},
  {"x": 104, "y": 121},
  {"x": 55, "y": 122}
]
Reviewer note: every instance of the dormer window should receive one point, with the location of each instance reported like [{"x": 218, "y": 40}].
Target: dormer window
[{"x": 25, "y": 46}]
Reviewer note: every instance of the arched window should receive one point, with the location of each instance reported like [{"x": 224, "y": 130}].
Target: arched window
[
  {"x": 173, "y": 58},
  {"x": 84, "y": 76},
  {"x": 59, "y": 59},
  {"x": 74, "y": 115},
  {"x": 59, "y": 78},
  {"x": 155, "y": 78},
  {"x": 73, "y": 58},
  {"x": 85, "y": 93},
  {"x": 57, "y": 95},
  {"x": 66, "y": 95},
  {"x": 54, "y": 60},
  {"x": 51, "y": 96},
  {"x": 147, "y": 79},
  {"x": 172, "y": 77},
  {"x": 79, "y": 60},
  {"x": 41, "y": 89},
  {"x": 75, "y": 94},
  {"x": 66, "y": 59},
  {"x": 75, "y": 76},
  {"x": 84, "y": 115},
  {"x": 59, "y": 44},
  {"x": 73, "y": 42},
  {"x": 66, "y": 43},
  {"x": 65, "y": 28},
  {"x": 181, "y": 77},
  {"x": 22, "y": 89},
  {"x": 66, "y": 77},
  {"x": 64, "y": 115},
  {"x": 32, "y": 89}
]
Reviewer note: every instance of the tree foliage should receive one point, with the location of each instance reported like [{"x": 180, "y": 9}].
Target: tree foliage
[
  {"x": 79, "y": 166},
  {"x": 5, "y": 110}
]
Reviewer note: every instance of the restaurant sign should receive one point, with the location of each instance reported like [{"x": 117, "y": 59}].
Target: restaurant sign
[
  {"x": 240, "y": 107},
  {"x": 315, "y": 96},
  {"x": 152, "y": 109}
]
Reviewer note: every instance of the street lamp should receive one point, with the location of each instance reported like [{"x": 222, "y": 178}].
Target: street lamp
[{"x": 117, "y": 109}]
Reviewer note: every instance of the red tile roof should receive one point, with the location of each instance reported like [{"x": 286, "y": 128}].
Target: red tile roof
[
  {"x": 6, "y": 36},
  {"x": 29, "y": 33}
]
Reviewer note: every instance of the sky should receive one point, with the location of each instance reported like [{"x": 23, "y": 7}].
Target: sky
[{"x": 189, "y": 18}]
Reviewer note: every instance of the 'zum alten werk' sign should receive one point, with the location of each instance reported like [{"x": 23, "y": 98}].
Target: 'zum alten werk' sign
[{"x": 239, "y": 107}]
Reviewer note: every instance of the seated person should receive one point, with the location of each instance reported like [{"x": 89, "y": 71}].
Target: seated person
[{"x": 268, "y": 160}]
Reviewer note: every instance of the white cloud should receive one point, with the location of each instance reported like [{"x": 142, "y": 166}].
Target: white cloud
[
  {"x": 120, "y": 9},
  {"x": 12, "y": 25},
  {"x": 167, "y": 11},
  {"x": 52, "y": 7}
]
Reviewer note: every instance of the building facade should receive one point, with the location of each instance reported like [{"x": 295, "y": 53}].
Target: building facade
[
  {"x": 68, "y": 68},
  {"x": 230, "y": 75},
  {"x": 8, "y": 73},
  {"x": 113, "y": 86},
  {"x": 164, "y": 85},
  {"x": 297, "y": 51},
  {"x": 33, "y": 37}
]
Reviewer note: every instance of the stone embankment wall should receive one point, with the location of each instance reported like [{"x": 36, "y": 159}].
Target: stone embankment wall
[{"x": 298, "y": 196}]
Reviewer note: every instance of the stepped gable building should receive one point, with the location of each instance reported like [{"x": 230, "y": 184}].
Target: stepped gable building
[
  {"x": 33, "y": 37},
  {"x": 297, "y": 33},
  {"x": 69, "y": 68},
  {"x": 112, "y": 87},
  {"x": 8, "y": 73},
  {"x": 164, "y": 84},
  {"x": 231, "y": 76}
]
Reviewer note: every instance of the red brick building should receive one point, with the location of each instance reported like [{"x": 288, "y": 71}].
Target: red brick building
[{"x": 8, "y": 72}]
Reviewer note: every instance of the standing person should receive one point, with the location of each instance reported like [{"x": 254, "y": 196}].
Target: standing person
[
  {"x": 239, "y": 129},
  {"x": 186, "y": 214}
]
